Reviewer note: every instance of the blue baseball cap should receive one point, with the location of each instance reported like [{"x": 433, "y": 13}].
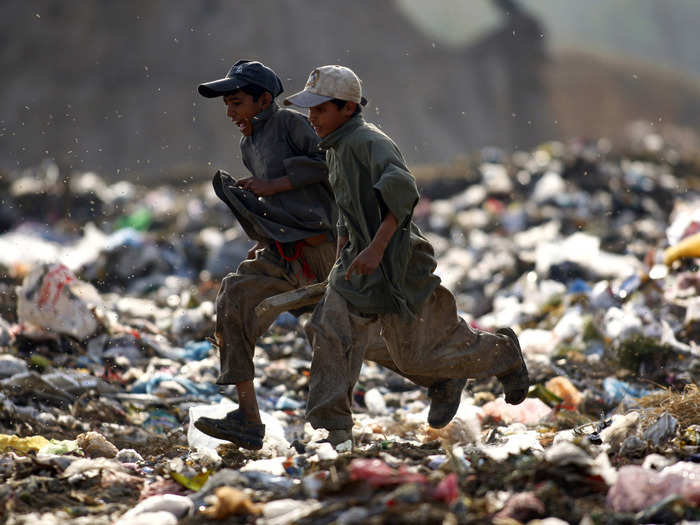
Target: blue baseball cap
[{"x": 242, "y": 73}]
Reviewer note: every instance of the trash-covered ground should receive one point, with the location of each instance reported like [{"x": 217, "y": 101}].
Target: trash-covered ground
[{"x": 106, "y": 303}]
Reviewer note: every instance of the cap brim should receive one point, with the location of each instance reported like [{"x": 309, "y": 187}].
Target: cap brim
[
  {"x": 216, "y": 88},
  {"x": 306, "y": 99}
]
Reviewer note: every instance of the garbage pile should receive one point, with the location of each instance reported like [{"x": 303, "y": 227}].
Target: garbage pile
[{"x": 106, "y": 306}]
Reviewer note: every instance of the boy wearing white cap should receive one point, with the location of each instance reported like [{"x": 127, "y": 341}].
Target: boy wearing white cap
[{"x": 383, "y": 278}]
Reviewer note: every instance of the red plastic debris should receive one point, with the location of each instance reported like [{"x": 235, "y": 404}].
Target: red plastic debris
[
  {"x": 448, "y": 489},
  {"x": 378, "y": 474}
]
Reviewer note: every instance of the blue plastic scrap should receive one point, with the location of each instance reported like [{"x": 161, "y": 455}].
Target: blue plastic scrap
[{"x": 208, "y": 390}]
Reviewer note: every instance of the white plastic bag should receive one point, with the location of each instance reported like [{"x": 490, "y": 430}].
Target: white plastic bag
[{"x": 53, "y": 299}]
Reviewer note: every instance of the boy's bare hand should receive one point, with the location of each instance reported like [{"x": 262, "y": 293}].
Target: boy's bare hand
[
  {"x": 260, "y": 187},
  {"x": 263, "y": 187},
  {"x": 365, "y": 263}
]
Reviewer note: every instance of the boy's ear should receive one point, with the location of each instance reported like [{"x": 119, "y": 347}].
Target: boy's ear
[
  {"x": 266, "y": 98},
  {"x": 349, "y": 107}
]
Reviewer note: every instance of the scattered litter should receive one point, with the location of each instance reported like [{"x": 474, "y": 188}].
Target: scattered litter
[
  {"x": 231, "y": 502},
  {"x": 107, "y": 358}
]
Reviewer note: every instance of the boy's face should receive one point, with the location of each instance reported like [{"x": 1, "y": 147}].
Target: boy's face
[
  {"x": 240, "y": 108},
  {"x": 327, "y": 117}
]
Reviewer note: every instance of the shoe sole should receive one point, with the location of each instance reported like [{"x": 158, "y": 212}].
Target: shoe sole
[
  {"x": 510, "y": 334},
  {"x": 242, "y": 440}
]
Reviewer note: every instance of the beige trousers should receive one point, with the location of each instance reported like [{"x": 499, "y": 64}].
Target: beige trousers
[
  {"x": 438, "y": 344},
  {"x": 237, "y": 326}
]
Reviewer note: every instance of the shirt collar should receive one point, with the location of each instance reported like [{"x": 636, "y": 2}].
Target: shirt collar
[
  {"x": 261, "y": 118},
  {"x": 336, "y": 136}
]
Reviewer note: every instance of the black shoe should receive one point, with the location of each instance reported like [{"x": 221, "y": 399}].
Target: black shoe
[
  {"x": 515, "y": 384},
  {"x": 444, "y": 401},
  {"x": 233, "y": 428}
]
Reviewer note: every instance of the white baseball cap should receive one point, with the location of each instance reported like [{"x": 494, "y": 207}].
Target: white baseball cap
[{"x": 326, "y": 83}]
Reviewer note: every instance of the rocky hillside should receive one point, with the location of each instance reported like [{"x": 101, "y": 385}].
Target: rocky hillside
[{"x": 112, "y": 86}]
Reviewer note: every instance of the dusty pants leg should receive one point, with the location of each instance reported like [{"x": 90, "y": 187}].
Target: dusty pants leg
[
  {"x": 439, "y": 343},
  {"x": 377, "y": 352},
  {"x": 338, "y": 338},
  {"x": 237, "y": 326}
]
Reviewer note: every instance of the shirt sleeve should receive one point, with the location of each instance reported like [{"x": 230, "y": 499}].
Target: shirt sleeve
[
  {"x": 309, "y": 167},
  {"x": 303, "y": 171},
  {"x": 395, "y": 186}
]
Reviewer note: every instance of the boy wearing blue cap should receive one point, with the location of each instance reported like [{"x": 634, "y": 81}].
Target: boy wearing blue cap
[
  {"x": 383, "y": 279},
  {"x": 287, "y": 207}
]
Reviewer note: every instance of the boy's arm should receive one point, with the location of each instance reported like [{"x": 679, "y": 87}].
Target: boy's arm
[
  {"x": 309, "y": 167},
  {"x": 397, "y": 194},
  {"x": 264, "y": 187},
  {"x": 259, "y": 186},
  {"x": 367, "y": 261}
]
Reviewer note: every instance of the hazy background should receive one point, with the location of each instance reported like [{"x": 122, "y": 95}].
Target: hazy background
[{"x": 111, "y": 86}]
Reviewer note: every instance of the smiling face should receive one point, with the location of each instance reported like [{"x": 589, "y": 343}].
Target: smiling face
[
  {"x": 327, "y": 117},
  {"x": 241, "y": 108}
]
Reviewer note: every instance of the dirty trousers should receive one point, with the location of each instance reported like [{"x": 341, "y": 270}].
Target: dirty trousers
[
  {"x": 237, "y": 326},
  {"x": 437, "y": 344}
]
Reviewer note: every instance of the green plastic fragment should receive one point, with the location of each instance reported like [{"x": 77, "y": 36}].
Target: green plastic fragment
[
  {"x": 140, "y": 220},
  {"x": 545, "y": 395},
  {"x": 39, "y": 362}
]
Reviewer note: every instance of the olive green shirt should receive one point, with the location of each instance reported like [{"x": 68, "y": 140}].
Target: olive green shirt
[{"x": 369, "y": 177}]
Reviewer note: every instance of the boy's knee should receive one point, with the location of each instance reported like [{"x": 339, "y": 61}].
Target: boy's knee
[
  {"x": 227, "y": 298},
  {"x": 408, "y": 365},
  {"x": 229, "y": 283}
]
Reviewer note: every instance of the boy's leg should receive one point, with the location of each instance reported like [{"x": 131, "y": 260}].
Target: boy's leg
[
  {"x": 237, "y": 325},
  {"x": 377, "y": 352},
  {"x": 238, "y": 328},
  {"x": 441, "y": 344},
  {"x": 445, "y": 394},
  {"x": 338, "y": 337}
]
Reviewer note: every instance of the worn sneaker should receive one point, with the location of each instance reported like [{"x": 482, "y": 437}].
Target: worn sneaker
[
  {"x": 515, "y": 384},
  {"x": 234, "y": 428},
  {"x": 444, "y": 401}
]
